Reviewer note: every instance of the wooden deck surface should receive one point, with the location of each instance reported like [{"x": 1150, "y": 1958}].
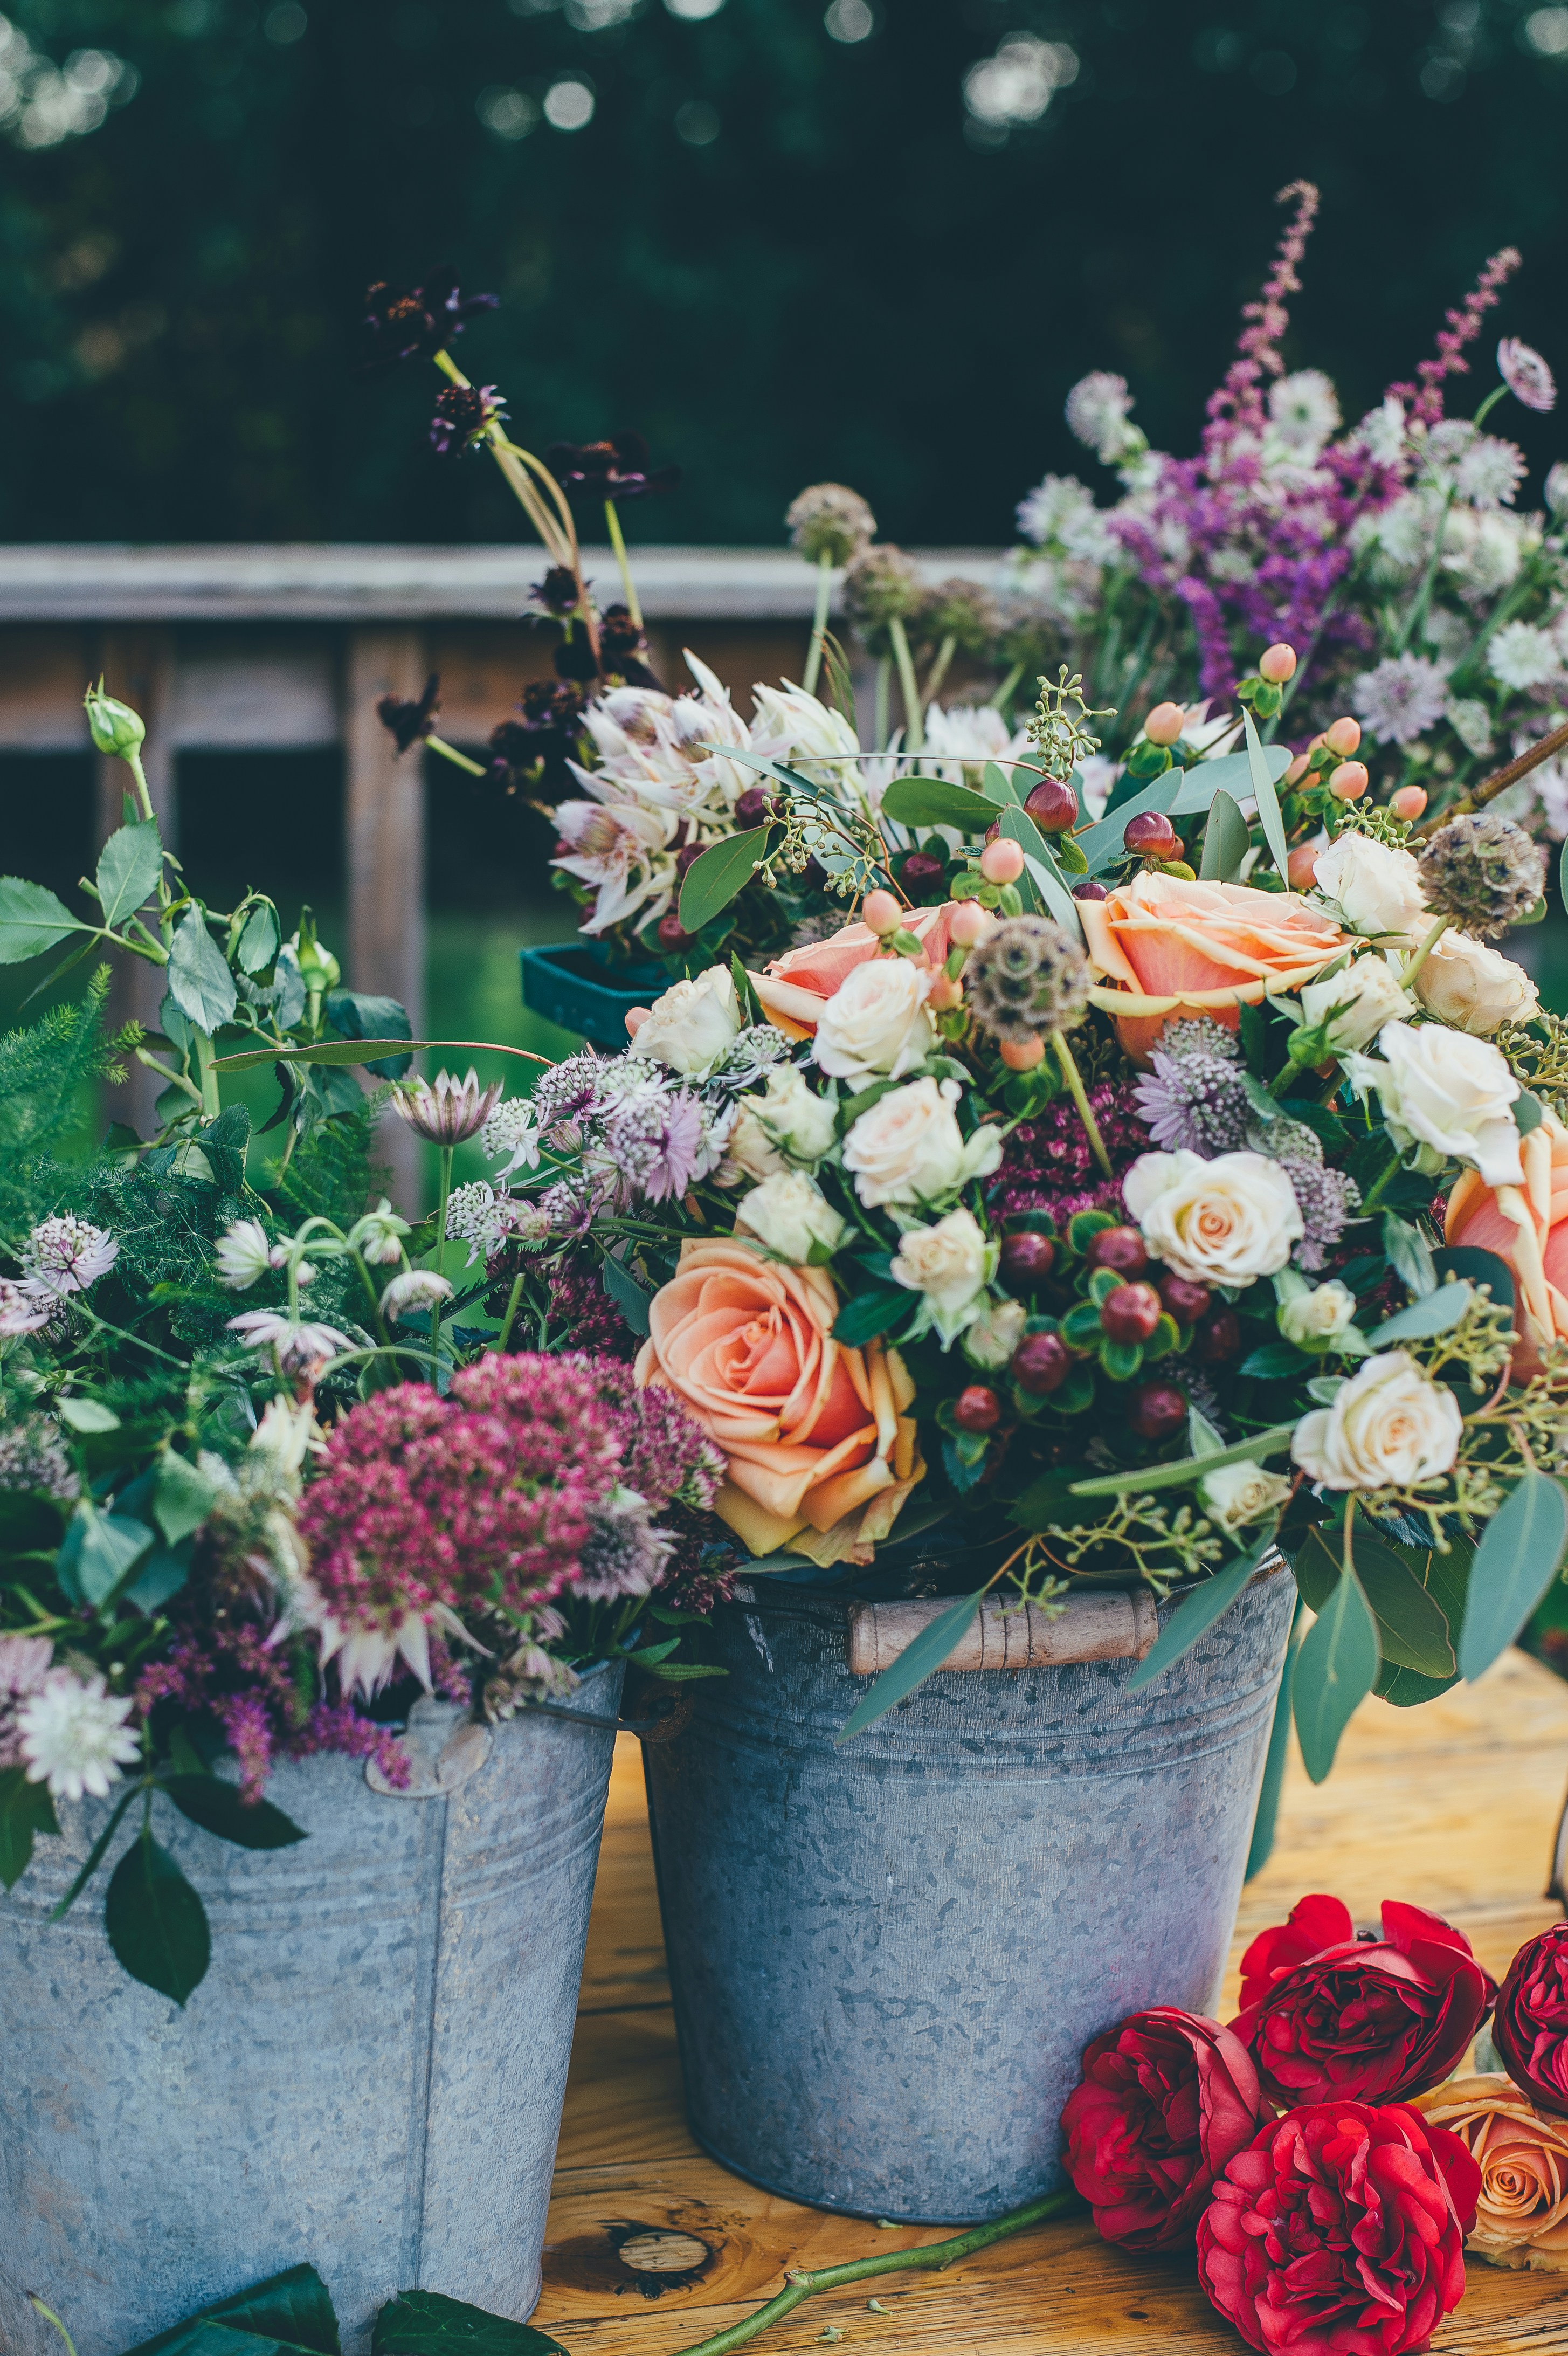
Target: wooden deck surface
[{"x": 1453, "y": 1807}]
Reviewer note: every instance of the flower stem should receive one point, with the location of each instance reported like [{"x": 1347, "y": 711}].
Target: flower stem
[
  {"x": 619, "y": 545},
  {"x": 938, "y": 671},
  {"x": 929, "y": 2255},
  {"x": 134, "y": 763},
  {"x": 880, "y": 719},
  {"x": 1075, "y": 1080},
  {"x": 1424, "y": 951},
  {"x": 1003, "y": 695},
  {"x": 818, "y": 622},
  {"x": 459, "y": 760},
  {"x": 36, "y": 2304},
  {"x": 505, "y": 1335},
  {"x": 211, "y": 1105},
  {"x": 914, "y": 734},
  {"x": 440, "y": 1250}
]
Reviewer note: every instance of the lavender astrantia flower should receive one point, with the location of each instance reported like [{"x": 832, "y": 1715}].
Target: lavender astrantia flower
[
  {"x": 1195, "y": 1097},
  {"x": 378, "y": 1235},
  {"x": 1526, "y": 374},
  {"x": 1401, "y": 699},
  {"x": 33, "y": 1457},
  {"x": 65, "y": 1254},
  {"x": 567, "y": 1089},
  {"x": 27, "y": 1308},
  {"x": 243, "y": 1255},
  {"x": 24, "y": 1665},
  {"x": 1326, "y": 1198},
  {"x": 624, "y": 1553},
  {"x": 750, "y": 1055},
  {"x": 1522, "y": 655}
]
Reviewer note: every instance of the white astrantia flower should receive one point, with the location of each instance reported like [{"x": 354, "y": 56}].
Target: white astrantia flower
[
  {"x": 1401, "y": 699},
  {"x": 1224, "y": 1221},
  {"x": 1097, "y": 411},
  {"x": 1499, "y": 546},
  {"x": 415, "y": 1288},
  {"x": 1391, "y": 1425},
  {"x": 1236, "y": 1494},
  {"x": 511, "y": 1136},
  {"x": 1358, "y": 1002},
  {"x": 300, "y": 1347},
  {"x": 996, "y": 1333},
  {"x": 1304, "y": 410},
  {"x": 67, "y": 1254},
  {"x": 908, "y": 1148},
  {"x": 378, "y": 1235},
  {"x": 1526, "y": 374},
  {"x": 1444, "y": 1094},
  {"x": 1316, "y": 1314},
  {"x": 1375, "y": 886},
  {"x": 1472, "y": 723},
  {"x": 1522, "y": 655},
  {"x": 951, "y": 1264},
  {"x": 73, "y": 1736},
  {"x": 1405, "y": 530},
  {"x": 692, "y": 1024},
  {"x": 1060, "y": 516},
  {"x": 242, "y": 1254},
  {"x": 479, "y": 1217},
  {"x": 1555, "y": 489},
  {"x": 366, "y": 1655},
  {"x": 1474, "y": 987},
  {"x": 1490, "y": 472},
  {"x": 790, "y": 1213},
  {"x": 26, "y": 1308},
  {"x": 875, "y": 1026},
  {"x": 1382, "y": 432}
]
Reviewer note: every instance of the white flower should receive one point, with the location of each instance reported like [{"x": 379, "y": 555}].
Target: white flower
[
  {"x": 1447, "y": 1094},
  {"x": 790, "y": 726},
  {"x": 1362, "y": 998},
  {"x": 1526, "y": 374},
  {"x": 966, "y": 735},
  {"x": 67, "y": 1254},
  {"x": 414, "y": 1290},
  {"x": 789, "y": 1122},
  {"x": 1376, "y": 887},
  {"x": 1391, "y": 1425},
  {"x": 378, "y": 1234},
  {"x": 692, "y": 1024},
  {"x": 1494, "y": 557},
  {"x": 996, "y": 1334},
  {"x": 1401, "y": 699},
  {"x": 1490, "y": 472},
  {"x": 1404, "y": 529},
  {"x": 1474, "y": 988},
  {"x": 875, "y": 1026},
  {"x": 1471, "y": 723},
  {"x": 1382, "y": 432},
  {"x": 1304, "y": 409},
  {"x": 24, "y": 1664},
  {"x": 74, "y": 1737},
  {"x": 1555, "y": 489},
  {"x": 790, "y": 1213},
  {"x": 1236, "y": 1494},
  {"x": 285, "y": 1434},
  {"x": 1060, "y": 516},
  {"x": 1097, "y": 411},
  {"x": 618, "y": 844},
  {"x": 1220, "y": 1221},
  {"x": 242, "y": 1254},
  {"x": 1318, "y": 1315},
  {"x": 366, "y": 1655},
  {"x": 25, "y": 1307},
  {"x": 908, "y": 1148},
  {"x": 950, "y": 1263},
  {"x": 300, "y": 1348},
  {"x": 1521, "y": 656},
  {"x": 512, "y": 1130}
]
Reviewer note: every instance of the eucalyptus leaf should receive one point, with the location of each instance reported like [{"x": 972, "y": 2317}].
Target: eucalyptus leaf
[
  {"x": 1434, "y": 1313},
  {"x": 1336, "y": 1668},
  {"x": 25, "y": 1809},
  {"x": 1103, "y": 843},
  {"x": 1197, "y": 1613},
  {"x": 199, "y": 980},
  {"x": 1227, "y": 839},
  {"x": 1267, "y": 800},
  {"x": 87, "y": 1415},
  {"x": 1040, "y": 865},
  {"x": 1184, "y": 1469},
  {"x": 155, "y": 1923},
  {"x": 32, "y": 920},
  {"x": 1230, "y": 773},
  {"x": 1408, "y": 1255},
  {"x": 1477, "y": 1267},
  {"x": 1519, "y": 1555},
  {"x": 356, "y": 1015},
  {"x": 627, "y": 1293},
  {"x": 867, "y": 1314},
  {"x": 724, "y": 870},
  {"x": 424, "y": 2323},
  {"x": 919, "y": 1660},
  {"x": 129, "y": 866},
  {"x": 933, "y": 801}
]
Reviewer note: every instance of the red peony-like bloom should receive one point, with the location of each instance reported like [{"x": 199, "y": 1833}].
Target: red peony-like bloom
[
  {"x": 1529, "y": 2027},
  {"x": 1363, "y": 2018},
  {"x": 1341, "y": 2231},
  {"x": 1167, "y": 2099}
]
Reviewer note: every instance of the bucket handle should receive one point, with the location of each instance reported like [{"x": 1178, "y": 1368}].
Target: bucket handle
[{"x": 658, "y": 1728}]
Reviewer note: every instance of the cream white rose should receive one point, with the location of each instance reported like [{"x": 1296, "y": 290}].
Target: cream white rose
[
  {"x": 1220, "y": 1221},
  {"x": 789, "y": 1213},
  {"x": 875, "y": 1026},
  {"x": 1446, "y": 1094},
  {"x": 1376, "y": 887},
  {"x": 750, "y": 1150},
  {"x": 1390, "y": 1427},
  {"x": 908, "y": 1147},
  {"x": 692, "y": 1024},
  {"x": 1318, "y": 1315},
  {"x": 792, "y": 1116},
  {"x": 1474, "y": 988},
  {"x": 950, "y": 1263},
  {"x": 1238, "y": 1493},
  {"x": 996, "y": 1334},
  {"x": 1360, "y": 1000}
]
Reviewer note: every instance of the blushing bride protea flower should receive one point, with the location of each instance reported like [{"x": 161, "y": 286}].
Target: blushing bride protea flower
[
  {"x": 73, "y": 1736},
  {"x": 446, "y": 1111}
]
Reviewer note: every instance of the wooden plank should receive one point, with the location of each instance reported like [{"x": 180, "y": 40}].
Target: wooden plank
[
  {"x": 137, "y": 665},
  {"x": 43, "y": 675},
  {"x": 246, "y": 688},
  {"x": 384, "y": 826}
]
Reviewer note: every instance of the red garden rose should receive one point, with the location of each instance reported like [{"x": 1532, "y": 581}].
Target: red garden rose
[
  {"x": 1166, "y": 2100},
  {"x": 1529, "y": 2027},
  {"x": 1363, "y": 2018},
  {"x": 1341, "y": 2231}
]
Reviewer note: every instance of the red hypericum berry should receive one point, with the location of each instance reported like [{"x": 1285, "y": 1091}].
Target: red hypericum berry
[
  {"x": 1090, "y": 889},
  {"x": 754, "y": 808},
  {"x": 1053, "y": 805},
  {"x": 1219, "y": 1336},
  {"x": 1158, "y": 1410},
  {"x": 1131, "y": 1313},
  {"x": 1027, "y": 1260},
  {"x": 673, "y": 936},
  {"x": 1041, "y": 1364},
  {"x": 687, "y": 857},
  {"x": 1187, "y": 1301},
  {"x": 920, "y": 871},
  {"x": 993, "y": 833},
  {"x": 1122, "y": 1249},
  {"x": 977, "y": 1409},
  {"x": 1151, "y": 835}
]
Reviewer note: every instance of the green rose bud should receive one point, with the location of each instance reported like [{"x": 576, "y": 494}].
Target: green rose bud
[{"x": 113, "y": 726}]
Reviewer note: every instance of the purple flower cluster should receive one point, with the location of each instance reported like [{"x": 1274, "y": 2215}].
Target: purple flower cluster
[
  {"x": 581, "y": 1313},
  {"x": 1048, "y": 1163},
  {"x": 243, "y": 1684}
]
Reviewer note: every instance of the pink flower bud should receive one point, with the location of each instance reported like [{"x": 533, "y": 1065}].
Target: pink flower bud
[
  {"x": 882, "y": 913},
  {"x": 1298, "y": 768},
  {"x": 1021, "y": 1055},
  {"x": 635, "y": 1018},
  {"x": 1301, "y": 867},
  {"x": 945, "y": 993},
  {"x": 970, "y": 923},
  {"x": 1278, "y": 663},
  {"x": 1344, "y": 738},
  {"x": 1409, "y": 802},
  {"x": 1164, "y": 723},
  {"x": 1350, "y": 781},
  {"x": 1002, "y": 862}
]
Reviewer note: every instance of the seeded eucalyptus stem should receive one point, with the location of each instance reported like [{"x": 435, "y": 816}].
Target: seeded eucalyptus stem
[
  {"x": 1075, "y": 1080},
  {"x": 818, "y": 621},
  {"x": 1424, "y": 951},
  {"x": 930, "y": 2256}
]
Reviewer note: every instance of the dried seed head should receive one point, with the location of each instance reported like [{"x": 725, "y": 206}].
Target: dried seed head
[
  {"x": 830, "y": 519},
  {"x": 1483, "y": 871},
  {"x": 1025, "y": 977},
  {"x": 881, "y": 584},
  {"x": 963, "y": 610}
]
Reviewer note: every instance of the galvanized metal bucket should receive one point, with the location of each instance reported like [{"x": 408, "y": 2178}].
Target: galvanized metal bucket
[
  {"x": 887, "y": 1958},
  {"x": 370, "y": 2076}
]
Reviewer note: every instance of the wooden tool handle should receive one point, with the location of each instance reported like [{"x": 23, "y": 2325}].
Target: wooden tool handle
[{"x": 1106, "y": 1626}]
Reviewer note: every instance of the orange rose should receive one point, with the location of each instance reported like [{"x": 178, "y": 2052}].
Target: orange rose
[
  {"x": 1528, "y": 1226},
  {"x": 795, "y": 986},
  {"x": 821, "y": 1451},
  {"x": 1521, "y": 2218},
  {"x": 1167, "y": 947}
]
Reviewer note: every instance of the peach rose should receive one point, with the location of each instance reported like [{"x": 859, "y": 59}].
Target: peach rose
[
  {"x": 1521, "y": 2218},
  {"x": 1166, "y": 947},
  {"x": 795, "y": 985},
  {"x": 821, "y": 1450},
  {"x": 1528, "y": 1226}
]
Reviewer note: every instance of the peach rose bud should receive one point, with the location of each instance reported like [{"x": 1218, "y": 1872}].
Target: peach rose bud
[
  {"x": 1165, "y": 724},
  {"x": 1344, "y": 738},
  {"x": 882, "y": 913},
  {"x": 1002, "y": 862},
  {"x": 1278, "y": 663},
  {"x": 1408, "y": 803},
  {"x": 1350, "y": 781}
]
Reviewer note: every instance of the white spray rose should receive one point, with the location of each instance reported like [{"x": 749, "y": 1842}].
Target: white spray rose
[
  {"x": 875, "y": 1026},
  {"x": 950, "y": 1263},
  {"x": 1446, "y": 1094},
  {"x": 789, "y": 1213},
  {"x": 792, "y": 1116},
  {"x": 908, "y": 1147},
  {"x": 750, "y": 1150},
  {"x": 1220, "y": 1221},
  {"x": 1360, "y": 1000},
  {"x": 1376, "y": 886},
  {"x": 1309, "y": 1318},
  {"x": 994, "y": 1336},
  {"x": 1238, "y": 1493},
  {"x": 1474, "y": 988},
  {"x": 1390, "y": 1427},
  {"x": 692, "y": 1024}
]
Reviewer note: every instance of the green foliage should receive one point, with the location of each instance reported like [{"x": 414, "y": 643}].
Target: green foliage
[
  {"x": 425, "y": 2323},
  {"x": 44, "y": 1070}
]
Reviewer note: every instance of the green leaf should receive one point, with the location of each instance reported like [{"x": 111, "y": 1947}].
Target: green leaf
[
  {"x": 199, "y": 981},
  {"x": 1004, "y": 786},
  {"x": 1434, "y": 1312},
  {"x": 1187, "y": 1467},
  {"x": 128, "y": 869},
  {"x": 627, "y": 1293},
  {"x": 1272, "y": 1362},
  {"x": 676, "y": 1673},
  {"x": 1477, "y": 1267},
  {"x": 98, "y": 1553},
  {"x": 1408, "y": 1255},
  {"x": 1202, "y": 1437},
  {"x": 260, "y": 939},
  {"x": 1230, "y": 773},
  {"x": 32, "y": 920},
  {"x": 294, "y": 2308},
  {"x": 1042, "y": 870},
  {"x": 932, "y": 801},
  {"x": 157, "y": 1923},
  {"x": 1227, "y": 839},
  {"x": 423, "y": 2323},
  {"x": 87, "y": 1415},
  {"x": 160, "y": 1575},
  {"x": 1519, "y": 1556},
  {"x": 355, "y": 1014},
  {"x": 1269, "y": 817},
  {"x": 205, "y": 2336},
  {"x": 182, "y": 1497},
  {"x": 1407, "y": 1688},
  {"x": 1335, "y": 1669},
  {"x": 918, "y": 1661},
  {"x": 1198, "y": 1613},
  {"x": 724, "y": 868},
  {"x": 867, "y": 1314},
  {"x": 216, "y": 1805},
  {"x": 25, "y": 1809},
  {"x": 1413, "y": 1630}
]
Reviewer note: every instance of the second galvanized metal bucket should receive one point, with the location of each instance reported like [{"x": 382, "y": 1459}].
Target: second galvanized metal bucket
[
  {"x": 887, "y": 1958},
  {"x": 369, "y": 2078}
]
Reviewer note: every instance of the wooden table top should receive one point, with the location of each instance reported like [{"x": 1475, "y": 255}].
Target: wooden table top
[{"x": 1453, "y": 1807}]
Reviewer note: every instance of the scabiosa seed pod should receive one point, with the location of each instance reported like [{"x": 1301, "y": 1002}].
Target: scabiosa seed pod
[
  {"x": 1025, "y": 978},
  {"x": 829, "y": 520},
  {"x": 1483, "y": 871},
  {"x": 882, "y": 585},
  {"x": 963, "y": 610},
  {"x": 462, "y": 413}
]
